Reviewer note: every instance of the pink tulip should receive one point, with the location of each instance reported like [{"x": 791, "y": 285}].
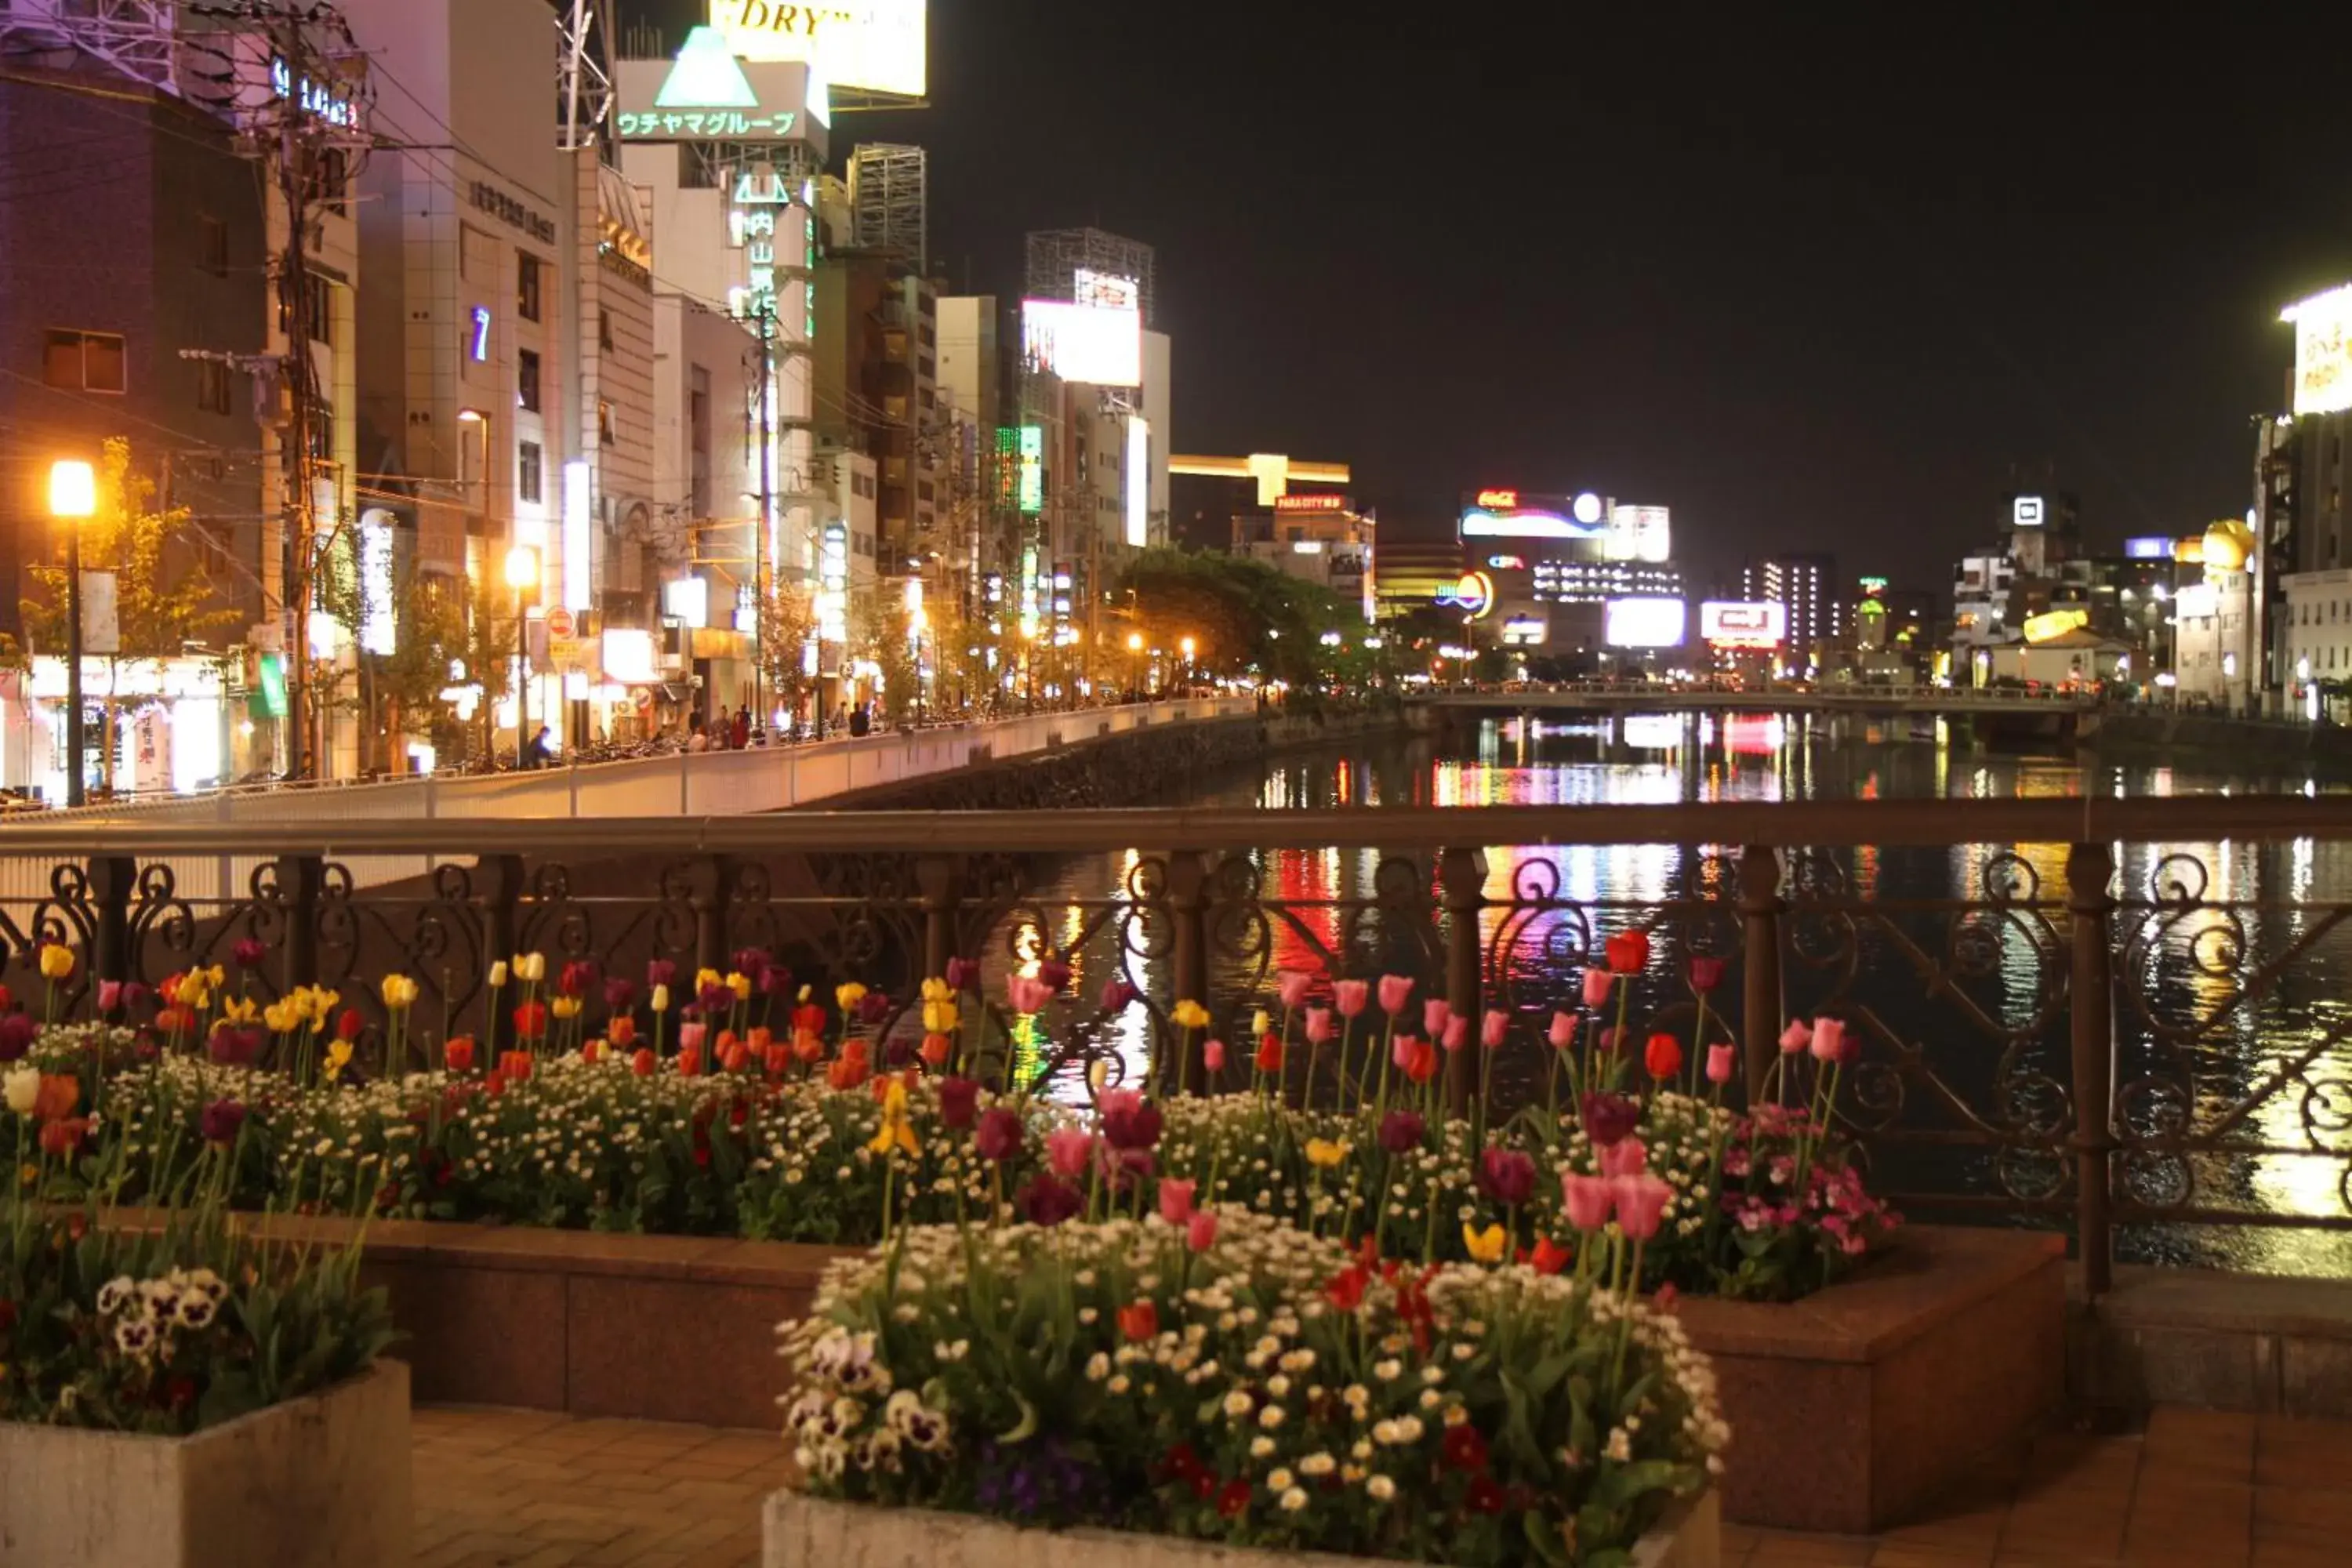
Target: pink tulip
[
  {"x": 1641, "y": 1204},
  {"x": 1068, "y": 1151},
  {"x": 1350, "y": 996},
  {"x": 1828, "y": 1040},
  {"x": 691, "y": 1035},
  {"x": 1795, "y": 1037},
  {"x": 1608, "y": 1040},
  {"x": 1319, "y": 1028},
  {"x": 1626, "y": 1157},
  {"x": 1435, "y": 1014},
  {"x": 1401, "y": 1049},
  {"x": 110, "y": 995},
  {"x": 1597, "y": 983},
  {"x": 1212, "y": 1056},
  {"x": 1176, "y": 1201},
  {"x": 1588, "y": 1198},
  {"x": 1458, "y": 1034},
  {"x": 1562, "y": 1033},
  {"x": 1396, "y": 990},
  {"x": 1027, "y": 994},
  {"x": 1200, "y": 1230},
  {"x": 1494, "y": 1028},
  {"x": 1291, "y": 987},
  {"x": 1722, "y": 1061}
]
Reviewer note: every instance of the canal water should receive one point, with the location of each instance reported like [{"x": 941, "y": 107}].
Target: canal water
[{"x": 2231, "y": 1020}]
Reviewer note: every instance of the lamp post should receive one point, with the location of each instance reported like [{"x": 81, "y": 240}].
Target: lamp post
[
  {"x": 1192, "y": 675},
  {"x": 73, "y": 500},
  {"x": 522, "y": 572},
  {"x": 1135, "y": 657}
]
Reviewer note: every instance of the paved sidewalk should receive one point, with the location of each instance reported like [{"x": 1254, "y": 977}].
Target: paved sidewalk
[{"x": 503, "y": 1489}]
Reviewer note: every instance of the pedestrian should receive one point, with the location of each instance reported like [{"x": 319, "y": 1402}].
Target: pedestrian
[
  {"x": 741, "y": 738},
  {"x": 539, "y": 754},
  {"x": 697, "y": 740}
]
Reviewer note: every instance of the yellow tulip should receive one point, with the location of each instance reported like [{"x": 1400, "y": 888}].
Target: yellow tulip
[
  {"x": 704, "y": 979},
  {"x": 1486, "y": 1246},
  {"x": 565, "y": 1006},
  {"x": 531, "y": 966},
  {"x": 741, "y": 985},
  {"x": 1191, "y": 1014},
  {"x": 893, "y": 1132},
  {"x": 283, "y": 1017},
  {"x": 339, "y": 1056},
  {"x": 499, "y": 975},
  {"x": 398, "y": 991},
  {"x": 215, "y": 977},
  {"x": 1325, "y": 1152},
  {"x": 939, "y": 1017},
  {"x": 849, "y": 996},
  {"x": 1260, "y": 1024},
  {"x": 239, "y": 1010},
  {"x": 661, "y": 999},
  {"x": 57, "y": 960},
  {"x": 938, "y": 991}
]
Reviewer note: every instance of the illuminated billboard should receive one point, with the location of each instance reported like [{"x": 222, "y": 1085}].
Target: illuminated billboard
[
  {"x": 2155, "y": 547},
  {"x": 1472, "y": 593},
  {"x": 706, "y": 94},
  {"x": 2323, "y": 352},
  {"x": 1310, "y": 503},
  {"x": 1137, "y": 476},
  {"x": 1524, "y": 523},
  {"x": 1637, "y": 533},
  {"x": 2025, "y": 511},
  {"x": 873, "y": 46},
  {"x": 2054, "y": 623},
  {"x": 1032, "y": 485},
  {"x": 1098, "y": 345},
  {"x": 1751, "y": 623},
  {"x": 1644, "y": 622}
]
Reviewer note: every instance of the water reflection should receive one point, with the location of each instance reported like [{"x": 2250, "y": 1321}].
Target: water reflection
[{"x": 2192, "y": 1047}]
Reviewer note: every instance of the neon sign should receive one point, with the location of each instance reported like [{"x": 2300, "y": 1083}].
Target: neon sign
[
  {"x": 1472, "y": 594},
  {"x": 311, "y": 97},
  {"x": 480, "y": 349},
  {"x": 1032, "y": 470},
  {"x": 1310, "y": 503},
  {"x": 1503, "y": 500}
]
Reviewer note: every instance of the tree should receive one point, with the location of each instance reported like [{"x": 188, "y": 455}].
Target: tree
[
  {"x": 787, "y": 627},
  {"x": 444, "y": 623},
  {"x": 164, "y": 608},
  {"x": 1243, "y": 616}
]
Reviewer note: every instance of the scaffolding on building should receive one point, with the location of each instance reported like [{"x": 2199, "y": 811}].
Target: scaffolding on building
[
  {"x": 889, "y": 200},
  {"x": 1057, "y": 256}
]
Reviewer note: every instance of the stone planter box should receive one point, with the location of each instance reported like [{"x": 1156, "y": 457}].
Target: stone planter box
[
  {"x": 1852, "y": 1409},
  {"x": 797, "y": 1531},
  {"x": 322, "y": 1482}
]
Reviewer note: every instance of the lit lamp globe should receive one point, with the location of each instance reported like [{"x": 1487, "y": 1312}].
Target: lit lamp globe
[{"x": 522, "y": 567}]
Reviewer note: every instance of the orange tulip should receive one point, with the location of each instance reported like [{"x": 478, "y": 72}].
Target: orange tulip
[
  {"x": 59, "y": 1093},
  {"x": 777, "y": 1059},
  {"x": 623, "y": 1032},
  {"x": 809, "y": 1046}
]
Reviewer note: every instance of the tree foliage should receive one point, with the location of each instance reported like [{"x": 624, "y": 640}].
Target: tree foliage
[
  {"x": 1244, "y": 614},
  {"x": 161, "y": 606}
]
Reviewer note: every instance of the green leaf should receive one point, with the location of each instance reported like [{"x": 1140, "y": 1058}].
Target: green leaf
[{"x": 1026, "y": 1427}]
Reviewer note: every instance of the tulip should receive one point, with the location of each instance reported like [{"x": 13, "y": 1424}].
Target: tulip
[
  {"x": 1055, "y": 974},
  {"x": 1458, "y": 1034},
  {"x": 565, "y": 1008},
  {"x": 1493, "y": 1028},
  {"x": 1435, "y": 1014},
  {"x": 234, "y": 1048},
  {"x": 689, "y": 1035},
  {"x": 734, "y": 1055},
  {"x": 1628, "y": 952},
  {"x": 457, "y": 1055},
  {"x": 498, "y": 974},
  {"x": 1127, "y": 1122},
  {"x": 1176, "y": 1201},
  {"x": 17, "y": 1032},
  {"x": 533, "y": 967},
  {"x": 689, "y": 1063},
  {"x": 775, "y": 981},
  {"x": 1261, "y": 1021},
  {"x": 247, "y": 954},
  {"x": 1188, "y": 1014},
  {"x": 221, "y": 1120},
  {"x": 1706, "y": 973},
  {"x": 1507, "y": 1175},
  {"x": 59, "y": 1093},
  {"x": 134, "y": 996},
  {"x": 1829, "y": 1041},
  {"x": 1641, "y": 1204},
  {"x": 963, "y": 974},
  {"x": 1549, "y": 1256},
  {"x": 1320, "y": 1028},
  {"x": 1046, "y": 1201},
  {"x": 1722, "y": 1061},
  {"x": 576, "y": 976},
  {"x": 935, "y": 1050},
  {"x": 871, "y": 1009},
  {"x": 1068, "y": 1151},
  {"x": 1795, "y": 1037},
  {"x": 1562, "y": 1033},
  {"x": 1664, "y": 1058},
  {"x": 660, "y": 971},
  {"x": 1212, "y": 1056},
  {"x": 848, "y": 995},
  {"x": 623, "y": 1032},
  {"x": 1290, "y": 987},
  {"x": 1269, "y": 1053},
  {"x": 21, "y": 1089},
  {"x": 1098, "y": 1074},
  {"x": 642, "y": 1061},
  {"x": 1597, "y": 983},
  {"x": 593, "y": 1050},
  {"x": 750, "y": 960},
  {"x": 998, "y": 1135},
  {"x": 1587, "y": 1199},
  {"x": 110, "y": 995},
  {"x": 350, "y": 1026},
  {"x": 1200, "y": 1230},
  {"x": 1396, "y": 990},
  {"x": 1323, "y": 1153},
  {"x": 64, "y": 1137},
  {"x": 1485, "y": 1246},
  {"x": 1401, "y": 1131},
  {"x": 1025, "y": 995},
  {"x": 1417, "y": 1059},
  {"x": 1139, "y": 1321},
  {"x": 530, "y": 1021},
  {"x": 398, "y": 991},
  {"x": 1626, "y": 1157},
  {"x": 1118, "y": 995},
  {"x": 1607, "y": 1118},
  {"x": 1350, "y": 996}
]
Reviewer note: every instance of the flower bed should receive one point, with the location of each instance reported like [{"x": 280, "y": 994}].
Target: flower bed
[{"x": 1223, "y": 1376}]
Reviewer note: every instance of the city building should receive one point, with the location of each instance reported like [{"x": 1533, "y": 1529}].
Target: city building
[
  {"x": 876, "y": 364},
  {"x": 2317, "y": 623},
  {"x": 2301, "y": 515},
  {"x": 1807, "y": 586},
  {"x": 2214, "y": 641},
  {"x": 1319, "y": 537},
  {"x": 1570, "y": 572}
]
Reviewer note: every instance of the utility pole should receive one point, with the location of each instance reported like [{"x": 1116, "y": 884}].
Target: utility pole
[
  {"x": 293, "y": 283},
  {"x": 762, "y": 568}
]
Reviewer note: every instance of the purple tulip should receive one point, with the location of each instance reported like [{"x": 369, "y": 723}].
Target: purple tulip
[
  {"x": 1127, "y": 1122},
  {"x": 1048, "y": 1201},
  {"x": 750, "y": 960},
  {"x": 899, "y": 1052},
  {"x": 959, "y": 1099},
  {"x": 871, "y": 1009},
  {"x": 620, "y": 994},
  {"x": 17, "y": 1032},
  {"x": 1401, "y": 1132},
  {"x": 775, "y": 980},
  {"x": 998, "y": 1135},
  {"x": 1607, "y": 1118},
  {"x": 135, "y": 995},
  {"x": 660, "y": 971},
  {"x": 248, "y": 954},
  {"x": 963, "y": 975},
  {"x": 235, "y": 1048},
  {"x": 1507, "y": 1175},
  {"x": 221, "y": 1120},
  {"x": 714, "y": 1000}
]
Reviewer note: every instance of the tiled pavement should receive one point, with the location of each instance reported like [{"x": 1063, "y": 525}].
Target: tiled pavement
[{"x": 498, "y": 1489}]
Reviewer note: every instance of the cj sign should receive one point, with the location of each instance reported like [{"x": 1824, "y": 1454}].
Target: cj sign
[{"x": 874, "y": 46}]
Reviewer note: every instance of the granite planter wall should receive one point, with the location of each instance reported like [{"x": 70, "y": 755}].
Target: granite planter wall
[
  {"x": 797, "y": 1531},
  {"x": 1853, "y": 1407},
  {"x": 322, "y": 1482}
]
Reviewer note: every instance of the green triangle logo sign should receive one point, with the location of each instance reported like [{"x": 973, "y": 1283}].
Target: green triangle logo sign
[{"x": 706, "y": 75}]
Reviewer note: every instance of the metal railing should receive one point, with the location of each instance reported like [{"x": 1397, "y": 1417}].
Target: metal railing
[{"x": 2074, "y": 1012}]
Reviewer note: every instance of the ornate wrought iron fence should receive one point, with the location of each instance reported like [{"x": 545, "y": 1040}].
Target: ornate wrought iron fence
[{"x": 2066, "y": 1042}]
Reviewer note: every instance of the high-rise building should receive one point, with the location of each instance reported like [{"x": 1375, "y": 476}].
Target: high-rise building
[
  {"x": 889, "y": 200},
  {"x": 1057, "y": 256},
  {"x": 1807, "y": 584}
]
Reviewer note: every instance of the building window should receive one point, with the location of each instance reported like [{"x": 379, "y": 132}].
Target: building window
[
  {"x": 321, "y": 424},
  {"x": 318, "y": 308},
  {"x": 211, "y": 246},
  {"x": 526, "y": 285},
  {"x": 213, "y": 386},
  {"x": 530, "y": 475},
  {"x": 84, "y": 362},
  {"x": 526, "y": 381},
  {"x": 605, "y": 330},
  {"x": 603, "y": 422},
  {"x": 326, "y": 180}
]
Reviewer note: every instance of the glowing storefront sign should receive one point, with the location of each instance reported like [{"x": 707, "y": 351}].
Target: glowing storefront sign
[
  {"x": 379, "y": 616},
  {"x": 1310, "y": 503},
  {"x": 314, "y": 98},
  {"x": 2153, "y": 547},
  {"x": 1032, "y": 489},
  {"x": 876, "y": 46},
  {"x": 1507, "y": 562},
  {"x": 1138, "y": 481},
  {"x": 1644, "y": 622},
  {"x": 1472, "y": 593},
  {"x": 1097, "y": 345},
  {"x": 1499, "y": 500},
  {"x": 833, "y": 584},
  {"x": 1482, "y": 523},
  {"x": 479, "y": 348},
  {"x": 2323, "y": 352},
  {"x": 579, "y": 583},
  {"x": 707, "y": 94},
  {"x": 2054, "y": 624},
  {"x": 2025, "y": 511},
  {"x": 1759, "y": 622}
]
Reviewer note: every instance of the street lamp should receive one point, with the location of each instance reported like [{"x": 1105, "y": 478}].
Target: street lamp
[
  {"x": 1191, "y": 676},
  {"x": 73, "y": 499},
  {"x": 523, "y": 572}
]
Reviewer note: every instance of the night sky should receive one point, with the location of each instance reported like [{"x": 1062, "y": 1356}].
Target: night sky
[{"x": 1812, "y": 277}]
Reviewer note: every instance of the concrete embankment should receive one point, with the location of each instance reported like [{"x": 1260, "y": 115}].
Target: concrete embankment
[{"x": 2243, "y": 744}]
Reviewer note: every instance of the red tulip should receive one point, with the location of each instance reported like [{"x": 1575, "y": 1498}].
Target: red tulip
[
  {"x": 1139, "y": 1321},
  {"x": 1269, "y": 1053},
  {"x": 1628, "y": 952},
  {"x": 1664, "y": 1057},
  {"x": 458, "y": 1055},
  {"x": 348, "y": 1026},
  {"x": 642, "y": 1061}
]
